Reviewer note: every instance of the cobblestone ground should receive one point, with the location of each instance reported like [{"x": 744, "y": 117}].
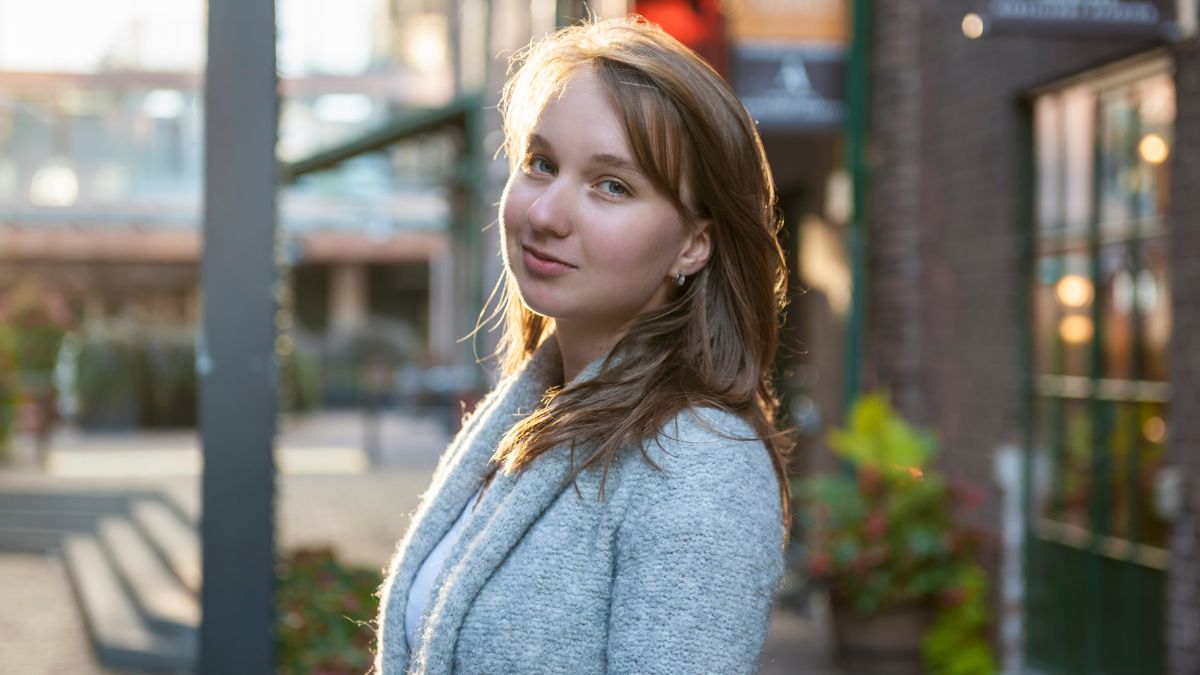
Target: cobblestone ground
[{"x": 360, "y": 515}]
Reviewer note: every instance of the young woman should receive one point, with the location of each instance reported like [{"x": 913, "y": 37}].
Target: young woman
[{"x": 618, "y": 503}]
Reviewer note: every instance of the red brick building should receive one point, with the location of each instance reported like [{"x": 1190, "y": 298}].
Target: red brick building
[{"x": 1034, "y": 286}]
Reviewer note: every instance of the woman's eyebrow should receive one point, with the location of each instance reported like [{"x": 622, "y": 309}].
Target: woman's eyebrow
[
  {"x": 604, "y": 158},
  {"x": 617, "y": 162}
]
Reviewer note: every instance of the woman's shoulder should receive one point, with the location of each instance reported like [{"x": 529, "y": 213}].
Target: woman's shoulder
[
  {"x": 711, "y": 473},
  {"x": 707, "y": 449}
]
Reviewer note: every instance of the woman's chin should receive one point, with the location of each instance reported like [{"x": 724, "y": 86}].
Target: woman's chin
[{"x": 540, "y": 304}]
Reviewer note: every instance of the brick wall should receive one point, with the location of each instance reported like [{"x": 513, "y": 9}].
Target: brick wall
[
  {"x": 943, "y": 323},
  {"x": 893, "y": 339}
]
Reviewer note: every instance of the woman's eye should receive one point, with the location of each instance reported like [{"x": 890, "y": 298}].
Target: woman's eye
[
  {"x": 614, "y": 188},
  {"x": 539, "y": 165}
]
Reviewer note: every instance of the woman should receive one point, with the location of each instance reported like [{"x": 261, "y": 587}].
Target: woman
[{"x": 618, "y": 503}]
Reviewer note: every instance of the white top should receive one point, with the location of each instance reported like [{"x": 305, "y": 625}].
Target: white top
[{"x": 421, "y": 590}]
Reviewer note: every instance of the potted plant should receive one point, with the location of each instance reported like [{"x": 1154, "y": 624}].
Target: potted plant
[{"x": 907, "y": 593}]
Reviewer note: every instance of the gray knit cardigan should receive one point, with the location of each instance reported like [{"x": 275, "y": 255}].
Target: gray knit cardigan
[{"x": 672, "y": 571}]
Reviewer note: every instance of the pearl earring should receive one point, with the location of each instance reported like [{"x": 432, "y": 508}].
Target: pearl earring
[{"x": 680, "y": 279}]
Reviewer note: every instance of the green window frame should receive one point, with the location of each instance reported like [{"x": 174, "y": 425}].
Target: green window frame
[{"x": 1098, "y": 394}]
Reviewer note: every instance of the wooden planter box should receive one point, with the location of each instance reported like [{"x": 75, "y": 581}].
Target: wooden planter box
[{"x": 882, "y": 643}]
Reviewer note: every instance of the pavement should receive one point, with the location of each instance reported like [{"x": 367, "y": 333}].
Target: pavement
[{"x": 329, "y": 493}]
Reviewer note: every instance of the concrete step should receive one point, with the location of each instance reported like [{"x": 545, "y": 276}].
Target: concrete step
[
  {"x": 121, "y": 637},
  {"x": 166, "y": 604},
  {"x": 64, "y": 501},
  {"x": 21, "y": 539},
  {"x": 57, "y": 520},
  {"x": 174, "y": 539}
]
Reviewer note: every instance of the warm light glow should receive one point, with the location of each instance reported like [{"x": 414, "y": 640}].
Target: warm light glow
[
  {"x": 1153, "y": 149},
  {"x": 913, "y": 471},
  {"x": 163, "y": 104},
  {"x": 839, "y": 197},
  {"x": 972, "y": 26},
  {"x": 1147, "y": 292},
  {"x": 1074, "y": 290},
  {"x": 823, "y": 264},
  {"x": 54, "y": 185},
  {"x": 1154, "y": 429},
  {"x": 283, "y": 345},
  {"x": 343, "y": 108},
  {"x": 1075, "y": 329},
  {"x": 425, "y": 41}
]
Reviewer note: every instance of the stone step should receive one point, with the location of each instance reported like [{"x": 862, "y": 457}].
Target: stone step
[
  {"x": 174, "y": 539},
  {"x": 166, "y": 604},
  {"x": 20, "y": 539},
  {"x": 56, "y": 520},
  {"x": 63, "y": 501},
  {"x": 120, "y": 635}
]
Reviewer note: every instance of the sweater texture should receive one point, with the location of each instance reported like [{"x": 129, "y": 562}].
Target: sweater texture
[{"x": 672, "y": 571}]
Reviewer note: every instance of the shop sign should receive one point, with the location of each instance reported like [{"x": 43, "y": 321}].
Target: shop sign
[
  {"x": 821, "y": 21},
  {"x": 1131, "y": 18},
  {"x": 791, "y": 86}
]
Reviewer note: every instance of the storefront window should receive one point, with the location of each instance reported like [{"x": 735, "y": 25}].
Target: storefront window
[{"x": 1100, "y": 314}]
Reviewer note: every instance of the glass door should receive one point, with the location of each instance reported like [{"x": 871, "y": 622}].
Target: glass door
[{"x": 1100, "y": 322}]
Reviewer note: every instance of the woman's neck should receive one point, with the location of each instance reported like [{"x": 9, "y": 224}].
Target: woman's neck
[{"x": 581, "y": 346}]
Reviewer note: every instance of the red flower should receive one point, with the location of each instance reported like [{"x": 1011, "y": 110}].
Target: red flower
[
  {"x": 953, "y": 596},
  {"x": 875, "y": 525},
  {"x": 869, "y": 479},
  {"x": 820, "y": 564}
]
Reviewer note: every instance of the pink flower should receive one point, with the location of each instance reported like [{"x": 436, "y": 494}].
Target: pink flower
[
  {"x": 869, "y": 479},
  {"x": 875, "y": 525},
  {"x": 820, "y": 564}
]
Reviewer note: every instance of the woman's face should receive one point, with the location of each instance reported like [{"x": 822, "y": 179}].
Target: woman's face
[{"x": 588, "y": 239}]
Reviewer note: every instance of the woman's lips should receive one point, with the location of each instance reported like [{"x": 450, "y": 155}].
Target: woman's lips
[{"x": 543, "y": 265}]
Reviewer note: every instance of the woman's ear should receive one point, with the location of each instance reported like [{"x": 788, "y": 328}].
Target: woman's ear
[{"x": 696, "y": 249}]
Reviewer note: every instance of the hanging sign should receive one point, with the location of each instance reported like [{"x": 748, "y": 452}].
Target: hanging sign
[
  {"x": 1129, "y": 18},
  {"x": 791, "y": 86},
  {"x": 825, "y": 21},
  {"x": 789, "y": 61}
]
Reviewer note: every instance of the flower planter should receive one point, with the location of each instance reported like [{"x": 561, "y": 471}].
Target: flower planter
[{"x": 887, "y": 642}]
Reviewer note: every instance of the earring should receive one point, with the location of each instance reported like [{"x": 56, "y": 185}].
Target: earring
[{"x": 680, "y": 279}]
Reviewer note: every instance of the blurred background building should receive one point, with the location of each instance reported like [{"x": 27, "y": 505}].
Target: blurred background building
[
  {"x": 1033, "y": 296},
  {"x": 101, "y": 170}
]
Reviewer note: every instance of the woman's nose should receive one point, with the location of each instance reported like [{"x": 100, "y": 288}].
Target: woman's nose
[{"x": 550, "y": 212}]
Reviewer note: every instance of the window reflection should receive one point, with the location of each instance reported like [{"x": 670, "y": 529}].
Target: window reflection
[{"x": 1102, "y": 426}]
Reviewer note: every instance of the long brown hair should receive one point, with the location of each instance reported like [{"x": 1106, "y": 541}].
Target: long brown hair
[{"x": 714, "y": 344}]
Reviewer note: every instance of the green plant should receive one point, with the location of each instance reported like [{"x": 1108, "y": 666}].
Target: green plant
[
  {"x": 166, "y": 358},
  {"x": 883, "y": 532},
  {"x": 106, "y": 376},
  {"x": 324, "y": 613},
  {"x": 8, "y": 390},
  {"x": 36, "y": 322},
  {"x": 300, "y": 379},
  {"x": 955, "y": 644}
]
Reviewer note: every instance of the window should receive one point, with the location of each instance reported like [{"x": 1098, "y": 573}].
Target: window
[{"x": 1100, "y": 301}]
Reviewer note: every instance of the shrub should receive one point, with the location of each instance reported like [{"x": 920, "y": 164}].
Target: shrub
[{"x": 324, "y": 612}]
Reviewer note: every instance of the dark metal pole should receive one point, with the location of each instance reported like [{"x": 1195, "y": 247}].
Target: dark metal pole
[{"x": 236, "y": 362}]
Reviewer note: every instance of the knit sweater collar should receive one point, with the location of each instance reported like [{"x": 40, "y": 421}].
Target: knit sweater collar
[{"x": 506, "y": 510}]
